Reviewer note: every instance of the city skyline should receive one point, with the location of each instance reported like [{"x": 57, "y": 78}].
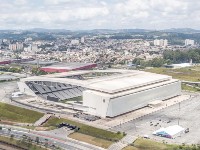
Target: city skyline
[{"x": 94, "y": 14}]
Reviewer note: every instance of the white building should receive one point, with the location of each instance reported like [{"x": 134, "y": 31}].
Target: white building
[
  {"x": 147, "y": 44},
  {"x": 189, "y": 42},
  {"x": 82, "y": 40},
  {"x": 12, "y": 47},
  {"x": 105, "y": 93},
  {"x": 74, "y": 42},
  {"x": 17, "y": 46},
  {"x": 34, "y": 47},
  {"x": 4, "y": 40},
  {"x": 161, "y": 42},
  {"x": 28, "y": 39}
]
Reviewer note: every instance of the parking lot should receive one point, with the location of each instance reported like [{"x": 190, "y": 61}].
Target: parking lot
[
  {"x": 6, "y": 88},
  {"x": 186, "y": 114}
]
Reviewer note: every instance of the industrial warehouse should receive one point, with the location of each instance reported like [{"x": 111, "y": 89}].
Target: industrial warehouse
[{"x": 104, "y": 93}]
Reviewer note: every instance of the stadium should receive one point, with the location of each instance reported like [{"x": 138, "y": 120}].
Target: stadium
[
  {"x": 65, "y": 67},
  {"x": 104, "y": 93}
]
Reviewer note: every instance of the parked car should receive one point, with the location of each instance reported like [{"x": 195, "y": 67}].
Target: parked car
[{"x": 146, "y": 137}]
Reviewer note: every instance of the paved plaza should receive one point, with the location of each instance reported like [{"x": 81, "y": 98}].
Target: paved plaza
[{"x": 185, "y": 113}]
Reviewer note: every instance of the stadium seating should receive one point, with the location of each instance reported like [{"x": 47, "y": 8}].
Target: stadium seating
[{"x": 55, "y": 91}]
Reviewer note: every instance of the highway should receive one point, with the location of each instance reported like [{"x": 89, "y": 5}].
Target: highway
[{"x": 66, "y": 144}]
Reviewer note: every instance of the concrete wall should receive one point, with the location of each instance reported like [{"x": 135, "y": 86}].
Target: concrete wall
[
  {"x": 128, "y": 103},
  {"x": 96, "y": 103},
  {"x": 25, "y": 89},
  {"x": 104, "y": 106}
]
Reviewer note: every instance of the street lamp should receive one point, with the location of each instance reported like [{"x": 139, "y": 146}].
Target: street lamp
[{"x": 179, "y": 105}]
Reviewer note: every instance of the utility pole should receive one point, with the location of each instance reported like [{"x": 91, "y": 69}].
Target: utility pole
[
  {"x": 179, "y": 106},
  {"x": 135, "y": 127}
]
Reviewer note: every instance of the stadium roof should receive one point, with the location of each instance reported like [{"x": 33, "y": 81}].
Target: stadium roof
[
  {"x": 63, "y": 67},
  {"x": 40, "y": 62},
  {"x": 125, "y": 80}
]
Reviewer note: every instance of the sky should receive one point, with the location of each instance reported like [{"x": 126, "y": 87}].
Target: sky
[{"x": 99, "y": 14}]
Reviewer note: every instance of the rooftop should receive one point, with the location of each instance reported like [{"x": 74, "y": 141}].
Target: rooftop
[
  {"x": 123, "y": 80},
  {"x": 40, "y": 62},
  {"x": 68, "y": 66}
]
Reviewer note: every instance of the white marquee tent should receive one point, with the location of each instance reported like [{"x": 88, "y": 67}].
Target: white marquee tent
[{"x": 169, "y": 132}]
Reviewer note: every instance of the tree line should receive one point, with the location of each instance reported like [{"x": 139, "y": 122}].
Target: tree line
[{"x": 170, "y": 57}]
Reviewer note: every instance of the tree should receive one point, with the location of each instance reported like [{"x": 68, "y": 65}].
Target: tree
[
  {"x": 46, "y": 142},
  {"x": 157, "y": 62},
  {"x": 194, "y": 56},
  {"x": 37, "y": 71},
  {"x": 137, "y": 61},
  {"x": 12, "y": 136},
  {"x": 29, "y": 141},
  {"x": 37, "y": 140},
  {"x": 182, "y": 56},
  {"x": 9, "y": 129}
]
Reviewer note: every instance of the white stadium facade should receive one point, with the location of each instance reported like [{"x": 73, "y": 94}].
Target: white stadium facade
[{"x": 105, "y": 93}]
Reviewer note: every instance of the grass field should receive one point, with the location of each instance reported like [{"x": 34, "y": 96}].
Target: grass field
[
  {"x": 77, "y": 99},
  {"x": 21, "y": 144},
  {"x": 130, "y": 148},
  {"x": 187, "y": 74},
  {"x": 85, "y": 129},
  {"x": 189, "y": 88},
  {"x": 145, "y": 144},
  {"x": 90, "y": 139},
  {"x": 17, "y": 114}
]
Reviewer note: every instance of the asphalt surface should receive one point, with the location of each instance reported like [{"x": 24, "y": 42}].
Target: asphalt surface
[
  {"x": 185, "y": 114},
  {"x": 64, "y": 143}
]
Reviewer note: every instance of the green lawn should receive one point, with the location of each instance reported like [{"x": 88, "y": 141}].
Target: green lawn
[
  {"x": 145, "y": 144},
  {"x": 21, "y": 144},
  {"x": 91, "y": 140},
  {"x": 189, "y": 88},
  {"x": 188, "y": 73},
  {"x": 80, "y": 98},
  {"x": 85, "y": 129},
  {"x": 17, "y": 114}
]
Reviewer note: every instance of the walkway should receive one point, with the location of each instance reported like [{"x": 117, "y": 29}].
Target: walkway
[
  {"x": 128, "y": 139},
  {"x": 42, "y": 120}
]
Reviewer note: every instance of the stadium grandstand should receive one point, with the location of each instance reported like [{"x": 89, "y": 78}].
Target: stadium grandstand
[
  {"x": 65, "y": 67},
  {"x": 104, "y": 93}
]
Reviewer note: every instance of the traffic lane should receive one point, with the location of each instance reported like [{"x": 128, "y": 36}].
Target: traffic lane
[{"x": 20, "y": 134}]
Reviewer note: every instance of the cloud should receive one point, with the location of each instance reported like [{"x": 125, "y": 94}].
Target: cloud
[
  {"x": 20, "y": 2},
  {"x": 58, "y": 2},
  {"x": 89, "y": 14}
]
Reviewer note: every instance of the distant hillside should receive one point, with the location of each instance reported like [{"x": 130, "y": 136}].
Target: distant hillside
[
  {"x": 111, "y": 31},
  {"x": 48, "y": 30},
  {"x": 135, "y": 30},
  {"x": 181, "y": 30}
]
